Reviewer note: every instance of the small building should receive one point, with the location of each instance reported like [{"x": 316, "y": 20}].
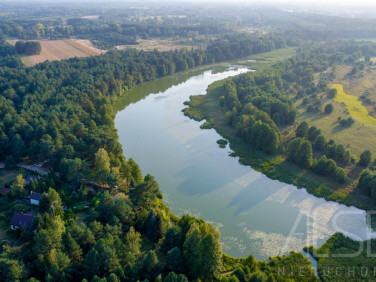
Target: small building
[
  {"x": 4, "y": 191},
  {"x": 21, "y": 220},
  {"x": 35, "y": 198},
  {"x": 30, "y": 178}
]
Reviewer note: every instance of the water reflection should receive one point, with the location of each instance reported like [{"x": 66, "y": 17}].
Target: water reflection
[{"x": 256, "y": 215}]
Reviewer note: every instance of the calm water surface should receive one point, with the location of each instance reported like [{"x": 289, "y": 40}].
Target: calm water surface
[{"x": 256, "y": 215}]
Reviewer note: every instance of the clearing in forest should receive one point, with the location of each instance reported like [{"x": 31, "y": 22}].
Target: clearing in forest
[
  {"x": 151, "y": 44},
  {"x": 354, "y": 105},
  {"x": 55, "y": 50}
]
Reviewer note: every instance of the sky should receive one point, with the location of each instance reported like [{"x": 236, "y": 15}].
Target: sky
[
  {"x": 300, "y": 2},
  {"x": 318, "y": 3}
]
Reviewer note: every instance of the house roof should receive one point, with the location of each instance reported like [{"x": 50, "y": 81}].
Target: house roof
[
  {"x": 4, "y": 191},
  {"x": 35, "y": 196},
  {"x": 22, "y": 220},
  {"x": 30, "y": 178}
]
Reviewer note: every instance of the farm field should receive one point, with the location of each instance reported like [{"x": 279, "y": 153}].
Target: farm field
[{"x": 55, "y": 50}]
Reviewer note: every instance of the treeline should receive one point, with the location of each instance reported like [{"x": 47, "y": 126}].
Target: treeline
[
  {"x": 61, "y": 111},
  {"x": 28, "y": 47},
  {"x": 257, "y": 105},
  {"x": 107, "y": 35},
  {"x": 7, "y": 55},
  {"x": 300, "y": 151},
  {"x": 328, "y": 258}
]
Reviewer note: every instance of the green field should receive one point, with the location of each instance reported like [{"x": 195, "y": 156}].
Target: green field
[
  {"x": 264, "y": 60},
  {"x": 361, "y": 135}
]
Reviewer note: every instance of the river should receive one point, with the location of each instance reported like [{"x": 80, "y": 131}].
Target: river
[{"x": 256, "y": 215}]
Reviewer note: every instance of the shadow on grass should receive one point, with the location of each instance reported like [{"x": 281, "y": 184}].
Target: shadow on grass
[
  {"x": 312, "y": 116},
  {"x": 339, "y": 128}
]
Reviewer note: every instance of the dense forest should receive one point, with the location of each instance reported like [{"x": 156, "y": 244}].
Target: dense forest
[
  {"x": 60, "y": 113},
  {"x": 42, "y": 104},
  {"x": 99, "y": 218}
]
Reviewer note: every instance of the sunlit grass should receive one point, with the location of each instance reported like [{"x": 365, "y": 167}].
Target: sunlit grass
[{"x": 354, "y": 105}]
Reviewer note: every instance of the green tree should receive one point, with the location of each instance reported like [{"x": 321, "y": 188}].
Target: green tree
[
  {"x": 367, "y": 181},
  {"x": 145, "y": 193},
  {"x": 172, "y": 277},
  {"x": 208, "y": 254},
  {"x": 304, "y": 155},
  {"x": 51, "y": 202},
  {"x": 113, "y": 278},
  {"x": 313, "y": 132},
  {"x": 11, "y": 270},
  {"x": 328, "y": 109},
  {"x": 340, "y": 175},
  {"x": 73, "y": 249},
  {"x": 293, "y": 148},
  {"x": 91, "y": 263},
  {"x": 133, "y": 242},
  {"x": 332, "y": 93},
  {"x": 174, "y": 260},
  {"x": 365, "y": 158},
  {"x": 302, "y": 130},
  {"x": 172, "y": 238},
  {"x": 18, "y": 187},
  {"x": 150, "y": 265},
  {"x": 102, "y": 160},
  {"x": 154, "y": 226},
  {"x": 320, "y": 143}
]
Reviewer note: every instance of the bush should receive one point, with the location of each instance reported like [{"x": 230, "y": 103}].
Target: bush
[
  {"x": 365, "y": 158},
  {"x": 340, "y": 175},
  {"x": 222, "y": 143},
  {"x": 346, "y": 122},
  {"x": 325, "y": 166},
  {"x": 332, "y": 93},
  {"x": 319, "y": 143},
  {"x": 302, "y": 130},
  {"x": 328, "y": 109}
]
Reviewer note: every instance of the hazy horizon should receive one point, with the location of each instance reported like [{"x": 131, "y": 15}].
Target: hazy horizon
[{"x": 288, "y": 2}]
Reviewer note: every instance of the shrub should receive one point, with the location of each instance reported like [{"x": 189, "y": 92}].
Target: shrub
[
  {"x": 340, "y": 175},
  {"x": 365, "y": 158},
  {"x": 328, "y": 109},
  {"x": 319, "y": 143},
  {"x": 332, "y": 93}
]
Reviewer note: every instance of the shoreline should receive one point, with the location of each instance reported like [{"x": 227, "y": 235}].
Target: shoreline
[{"x": 206, "y": 108}]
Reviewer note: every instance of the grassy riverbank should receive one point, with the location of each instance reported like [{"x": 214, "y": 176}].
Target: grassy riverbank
[{"x": 274, "y": 166}]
